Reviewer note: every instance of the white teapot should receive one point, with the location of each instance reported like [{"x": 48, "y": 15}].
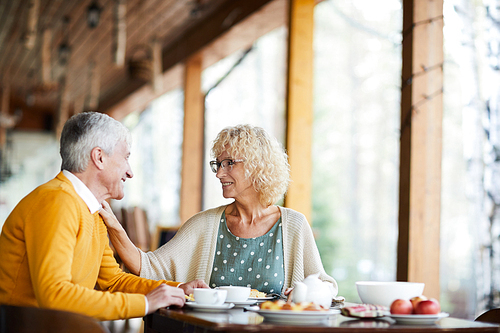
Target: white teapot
[{"x": 312, "y": 289}]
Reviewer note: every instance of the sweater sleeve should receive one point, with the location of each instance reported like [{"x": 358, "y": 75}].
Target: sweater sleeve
[
  {"x": 112, "y": 278},
  {"x": 51, "y": 232}
]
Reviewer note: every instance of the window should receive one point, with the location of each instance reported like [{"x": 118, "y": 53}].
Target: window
[
  {"x": 253, "y": 93},
  {"x": 357, "y": 47}
]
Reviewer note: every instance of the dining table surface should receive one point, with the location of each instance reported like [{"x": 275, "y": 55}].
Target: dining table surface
[{"x": 247, "y": 319}]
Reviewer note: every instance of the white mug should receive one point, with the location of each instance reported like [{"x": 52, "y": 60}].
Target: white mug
[{"x": 209, "y": 296}]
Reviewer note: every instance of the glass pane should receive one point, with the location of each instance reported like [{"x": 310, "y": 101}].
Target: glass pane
[
  {"x": 466, "y": 271},
  {"x": 357, "y": 47},
  {"x": 156, "y": 159},
  {"x": 29, "y": 159},
  {"x": 253, "y": 93}
]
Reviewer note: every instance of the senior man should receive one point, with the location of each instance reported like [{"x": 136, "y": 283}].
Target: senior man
[{"x": 54, "y": 246}]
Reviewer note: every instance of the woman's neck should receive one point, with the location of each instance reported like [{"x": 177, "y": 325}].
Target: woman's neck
[{"x": 250, "y": 220}]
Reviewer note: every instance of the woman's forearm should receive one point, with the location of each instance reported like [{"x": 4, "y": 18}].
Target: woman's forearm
[{"x": 127, "y": 251}]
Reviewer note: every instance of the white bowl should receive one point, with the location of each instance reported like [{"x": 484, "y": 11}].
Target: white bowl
[
  {"x": 236, "y": 293},
  {"x": 384, "y": 293}
]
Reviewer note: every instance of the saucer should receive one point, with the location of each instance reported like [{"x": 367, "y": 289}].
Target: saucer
[
  {"x": 296, "y": 317},
  {"x": 209, "y": 307},
  {"x": 418, "y": 319},
  {"x": 244, "y": 303}
]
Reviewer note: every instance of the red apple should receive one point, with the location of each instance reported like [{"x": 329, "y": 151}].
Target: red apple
[
  {"x": 401, "y": 306},
  {"x": 430, "y": 306},
  {"x": 417, "y": 299}
]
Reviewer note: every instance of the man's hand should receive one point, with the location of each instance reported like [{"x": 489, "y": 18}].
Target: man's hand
[
  {"x": 164, "y": 296},
  {"x": 188, "y": 287}
]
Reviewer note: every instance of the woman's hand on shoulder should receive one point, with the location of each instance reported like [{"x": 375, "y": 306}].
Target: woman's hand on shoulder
[{"x": 109, "y": 217}]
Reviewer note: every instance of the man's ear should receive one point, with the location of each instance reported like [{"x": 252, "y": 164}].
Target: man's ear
[{"x": 97, "y": 157}]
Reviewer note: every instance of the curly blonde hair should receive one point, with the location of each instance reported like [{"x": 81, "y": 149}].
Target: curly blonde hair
[{"x": 265, "y": 160}]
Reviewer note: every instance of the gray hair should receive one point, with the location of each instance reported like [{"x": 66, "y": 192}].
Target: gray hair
[{"x": 85, "y": 131}]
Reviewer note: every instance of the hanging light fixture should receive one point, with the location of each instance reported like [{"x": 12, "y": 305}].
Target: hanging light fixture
[{"x": 93, "y": 14}]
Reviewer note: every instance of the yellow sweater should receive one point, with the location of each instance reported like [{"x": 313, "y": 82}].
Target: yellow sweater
[{"x": 53, "y": 252}]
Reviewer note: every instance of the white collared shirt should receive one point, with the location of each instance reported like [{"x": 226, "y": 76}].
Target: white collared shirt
[{"x": 83, "y": 191}]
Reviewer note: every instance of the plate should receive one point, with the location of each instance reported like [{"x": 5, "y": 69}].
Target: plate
[
  {"x": 261, "y": 299},
  {"x": 209, "y": 307},
  {"x": 247, "y": 302},
  {"x": 418, "y": 319},
  {"x": 296, "y": 317}
]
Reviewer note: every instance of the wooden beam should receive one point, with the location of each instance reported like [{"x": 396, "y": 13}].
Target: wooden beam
[
  {"x": 194, "y": 40},
  {"x": 95, "y": 80},
  {"x": 145, "y": 95},
  {"x": 79, "y": 104},
  {"x": 300, "y": 104},
  {"x": 32, "y": 24},
  {"x": 4, "y": 111},
  {"x": 119, "y": 32},
  {"x": 420, "y": 151},
  {"x": 193, "y": 141},
  {"x": 242, "y": 36},
  {"x": 46, "y": 57},
  {"x": 157, "y": 65},
  {"x": 63, "y": 111}
]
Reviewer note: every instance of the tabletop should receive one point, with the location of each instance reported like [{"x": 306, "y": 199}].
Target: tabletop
[{"x": 240, "y": 320}]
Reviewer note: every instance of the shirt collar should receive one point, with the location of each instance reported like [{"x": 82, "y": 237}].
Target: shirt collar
[{"x": 83, "y": 191}]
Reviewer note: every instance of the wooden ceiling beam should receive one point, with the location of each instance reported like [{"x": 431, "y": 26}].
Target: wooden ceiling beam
[{"x": 193, "y": 40}]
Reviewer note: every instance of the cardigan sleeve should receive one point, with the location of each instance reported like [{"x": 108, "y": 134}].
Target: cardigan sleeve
[
  {"x": 188, "y": 255},
  {"x": 173, "y": 258}
]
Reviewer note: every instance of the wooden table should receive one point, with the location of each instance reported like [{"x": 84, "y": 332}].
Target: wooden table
[{"x": 238, "y": 320}]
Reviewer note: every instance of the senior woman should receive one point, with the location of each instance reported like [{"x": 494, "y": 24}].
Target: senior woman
[{"x": 249, "y": 242}]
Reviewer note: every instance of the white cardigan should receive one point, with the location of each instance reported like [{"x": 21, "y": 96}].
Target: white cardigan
[{"x": 189, "y": 255}]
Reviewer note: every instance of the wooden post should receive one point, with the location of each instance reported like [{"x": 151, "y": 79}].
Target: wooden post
[
  {"x": 119, "y": 32},
  {"x": 4, "y": 111},
  {"x": 46, "y": 57},
  {"x": 157, "y": 65},
  {"x": 420, "y": 153},
  {"x": 63, "y": 111},
  {"x": 300, "y": 104},
  {"x": 193, "y": 140},
  {"x": 95, "y": 86},
  {"x": 32, "y": 24}
]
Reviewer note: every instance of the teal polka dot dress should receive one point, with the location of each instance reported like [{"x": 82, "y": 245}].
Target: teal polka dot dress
[{"x": 253, "y": 262}]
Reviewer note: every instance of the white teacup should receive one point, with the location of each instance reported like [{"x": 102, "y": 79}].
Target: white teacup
[
  {"x": 236, "y": 293},
  {"x": 209, "y": 296}
]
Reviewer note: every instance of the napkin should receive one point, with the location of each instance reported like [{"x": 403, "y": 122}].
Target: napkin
[{"x": 364, "y": 311}]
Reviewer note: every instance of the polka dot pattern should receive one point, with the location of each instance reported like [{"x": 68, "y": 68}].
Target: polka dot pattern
[{"x": 255, "y": 262}]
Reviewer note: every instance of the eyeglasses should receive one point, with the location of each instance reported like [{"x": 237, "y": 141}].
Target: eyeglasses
[{"x": 214, "y": 165}]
